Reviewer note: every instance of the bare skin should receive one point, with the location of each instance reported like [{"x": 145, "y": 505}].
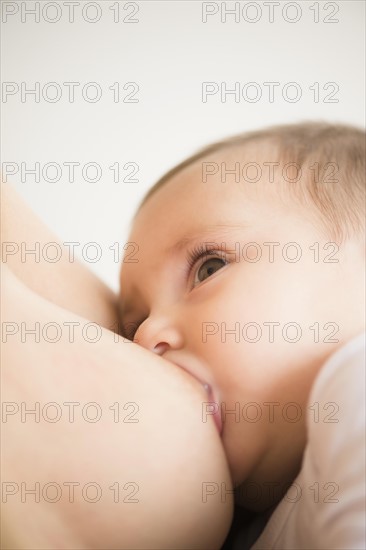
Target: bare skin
[
  {"x": 68, "y": 284},
  {"x": 167, "y": 457},
  {"x": 196, "y": 285}
]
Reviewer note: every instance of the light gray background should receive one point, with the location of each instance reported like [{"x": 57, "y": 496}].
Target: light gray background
[{"x": 169, "y": 52}]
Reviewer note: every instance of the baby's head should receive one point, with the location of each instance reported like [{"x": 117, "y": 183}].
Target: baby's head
[{"x": 249, "y": 275}]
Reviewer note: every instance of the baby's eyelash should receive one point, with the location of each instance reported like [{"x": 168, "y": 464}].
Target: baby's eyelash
[{"x": 198, "y": 252}]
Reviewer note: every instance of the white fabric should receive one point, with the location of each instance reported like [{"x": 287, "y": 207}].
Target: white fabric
[{"x": 334, "y": 459}]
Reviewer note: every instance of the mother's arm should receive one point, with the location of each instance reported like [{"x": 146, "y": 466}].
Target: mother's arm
[
  {"x": 167, "y": 461},
  {"x": 69, "y": 284}
]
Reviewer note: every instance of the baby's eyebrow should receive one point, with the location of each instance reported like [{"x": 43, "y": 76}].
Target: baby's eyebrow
[{"x": 208, "y": 232}]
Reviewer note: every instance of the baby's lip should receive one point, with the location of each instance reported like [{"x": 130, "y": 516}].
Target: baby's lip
[
  {"x": 210, "y": 397},
  {"x": 216, "y": 407}
]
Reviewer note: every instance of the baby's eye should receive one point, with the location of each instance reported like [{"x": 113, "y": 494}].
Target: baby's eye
[{"x": 208, "y": 268}]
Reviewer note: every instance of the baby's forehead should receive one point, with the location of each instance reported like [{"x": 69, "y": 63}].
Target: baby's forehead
[
  {"x": 197, "y": 195},
  {"x": 217, "y": 180},
  {"x": 256, "y": 170}
]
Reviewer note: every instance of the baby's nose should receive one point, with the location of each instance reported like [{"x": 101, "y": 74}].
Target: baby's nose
[
  {"x": 158, "y": 334},
  {"x": 161, "y": 348}
]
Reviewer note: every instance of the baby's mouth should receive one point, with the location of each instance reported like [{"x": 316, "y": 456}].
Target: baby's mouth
[{"x": 215, "y": 407}]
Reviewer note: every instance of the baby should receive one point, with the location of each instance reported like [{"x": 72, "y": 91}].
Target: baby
[{"x": 250, "y": 276}]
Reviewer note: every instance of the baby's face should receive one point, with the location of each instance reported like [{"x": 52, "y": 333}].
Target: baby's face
[{"x": 246, "y": 319}]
